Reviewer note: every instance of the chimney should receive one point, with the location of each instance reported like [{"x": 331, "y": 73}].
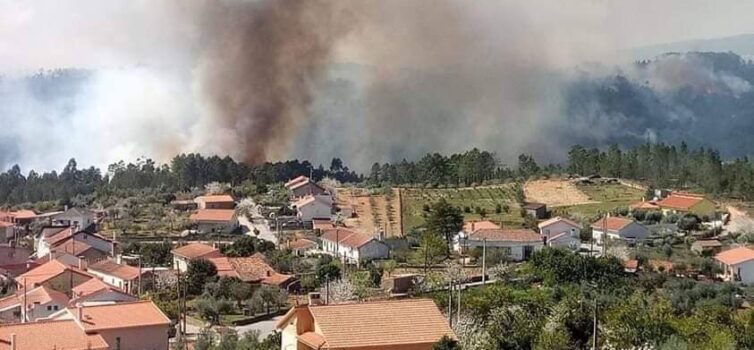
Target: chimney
[
  {"x": 13, "y": 341},
  {"x": 269, "y": 273},
  {"x": 472, "y": 226},
  {"x": 119, "y": 259},
  {"x": 82, "y": 263},
  {"x": 315, "y": 298},
  {"x": 79, "y": 313},
  {"x": 65, "y": 207}
]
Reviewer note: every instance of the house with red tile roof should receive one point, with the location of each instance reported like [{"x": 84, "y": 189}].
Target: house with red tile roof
[
  {"x": 353, "y": 246},
  {"x": 301, "y": 246},
  {"x": 55, "y": 275},
  {"x": 96, "y": 291},
  {"x": 681, "y": 203},
  {"x": 128, "y": 325},
  {"x": 223, "y": 201},
  {"x": 184, "y": 254},
  {"x": 214, "y": 220},
  {"x": 517, "y": 244},
  {"x": 15, "y": 260},
  {"x": 312, "y": 207},
  {"x": 40, "y": 302},
  {"x": 561, "y": 232},
  {"x": 618, "y": 228},
  {"x": 304, "y": 186},
  {"x": 410, "y": 324},
  {"x": 128, "y": 278},
  {"x": 737, "y": 264},
  {"x": 64, "y": 239},
  {"x": 65, "y": 334},
  {"x": 256, "y": 270}
]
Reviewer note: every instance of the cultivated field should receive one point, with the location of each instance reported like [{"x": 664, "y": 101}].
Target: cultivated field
[
  {"x": 486, "y": 198},
  {"x": 374, "y": 211},
  {"x": 555, "y": 193},
  {"x": 601, "y": 198}
]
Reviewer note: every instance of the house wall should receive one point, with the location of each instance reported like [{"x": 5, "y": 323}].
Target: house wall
[
  {"x": 79, "y": 222},
  {"x": 516, "y": 248},
  {"x": 180, "y": 263},
  {"x": 373, "y": 250},
  {"x": 108, "y": 296},
  {"x": 537, "y": 213},
  {"x": 11, "y": 315},
  {"x": 214, "y": 226},
  {"x": 314, "y": 210},
  {"x": 309, "y": 188},
  {"x": 569, "y": 242},
  {"x": 137, "y": 338},
  {"x": 7, "y": 233},
  {"x": 41, "y": 310},
  {"x": 216, "y": 205},
  {"x": 559, "y": 227},
  {"x": 112, "y": 280},
  {"x": 744, "y": 270},
  {"x": 288, "y": 335}
]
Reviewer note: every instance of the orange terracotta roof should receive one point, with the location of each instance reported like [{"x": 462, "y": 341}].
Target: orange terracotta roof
[
  {"x": 60, "y": 236},
  {"x": 471, "y": 226},
  {"x": 111, "y": 268},
  {"x": 614, "y": 223},
  {"x": 222, "y": 198},
  {"x": 506, "y": 235},
  {"x": 4, "y": 224},
  {"x": 296, "y": 180},
  {"x": 41, "y": 295},
  {"x": 218, "y": 215},
  {"x": 735, "y": 256},
  {"x": 679, "y": 202},
  {"x": 277, "y": 279},
  {"x": 302, "y": 183},
  {"x": 310, "y": 199},
  {"x": 45, "y": 272},
  {"x": 558, "y": 219},
  {"x": 322, "y": 224},
  {"x": 72, "y": 247},
  {"x": 92, "y": 286},
  {"x": 64, "y": 334},
  {"x": 302, "y": 244},
  {"x": 384, "y": 323},
  {"x": 24, "y": 214},
  {"x": 253, "y": 268},
  {"x": 631, "y": 264},
  {"x": 346, "y": 237},
  {"x": 197, "y": 250},
  {"x": 141, "y": 313},
  {"x": 224, "y": 267}
]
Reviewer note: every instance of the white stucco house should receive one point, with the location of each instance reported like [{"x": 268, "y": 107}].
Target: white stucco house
[
  {"x": 183, "y": 255},
  {"x": 353, "y": 247},
  {"x": 618, "y": 228},
  {"x": 313, "y": 207},
  {"x": 77, "y": 218},
  {"x": 561, "y": 232},
  {"x": 737, "y": 264},
  {"x": 40, "y": 302},
  {"x": 518, "y": 244}
]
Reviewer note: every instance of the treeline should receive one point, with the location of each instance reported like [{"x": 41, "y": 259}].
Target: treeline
[
  {"x": 185, "y": 171},
  {"x": 669, "y": 166}
]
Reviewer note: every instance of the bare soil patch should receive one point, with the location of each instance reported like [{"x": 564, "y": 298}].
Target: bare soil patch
[{"x": 555, "y": 193}]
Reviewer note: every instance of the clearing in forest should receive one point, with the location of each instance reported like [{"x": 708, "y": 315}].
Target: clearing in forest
[{"x": 555, "y": 193}]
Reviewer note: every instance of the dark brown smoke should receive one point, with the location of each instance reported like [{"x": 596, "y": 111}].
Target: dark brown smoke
[{"x": 258, "y": 65}]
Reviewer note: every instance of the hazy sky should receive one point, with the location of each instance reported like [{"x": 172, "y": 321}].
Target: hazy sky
[
  {"x": 53, "y": 33},
  {"x": 151, "y": 100}
]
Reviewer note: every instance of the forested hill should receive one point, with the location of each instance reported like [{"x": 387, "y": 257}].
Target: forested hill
[
  {"x": 658, "y": 165},
  {"x": 704, "y": 99}
]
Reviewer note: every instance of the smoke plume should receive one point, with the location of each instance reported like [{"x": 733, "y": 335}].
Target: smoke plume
[{"x": 372, "y": 80}]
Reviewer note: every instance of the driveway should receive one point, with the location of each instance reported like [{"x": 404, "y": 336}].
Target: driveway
[
  {"x": 259, "y": 223},
  {"x": 264, "y": 328}
]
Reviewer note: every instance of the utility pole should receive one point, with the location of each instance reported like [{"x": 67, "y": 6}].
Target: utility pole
[
  {"x": 23, "y": 307},
  {"x": 484, "y": 261},
  {"x": 327, "y": 289},
  {"x": 458, "y": 309},
  {"x": 604, "y": 234},
  {"x": 450, "y": 302},
  {"x": 595, "y": 329},
  {"x": 139, "y": 275}
]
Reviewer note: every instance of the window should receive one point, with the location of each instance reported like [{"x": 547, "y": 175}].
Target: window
[
  {"x": 49, "y": 307},
  {"x": 55, "y": 307}
]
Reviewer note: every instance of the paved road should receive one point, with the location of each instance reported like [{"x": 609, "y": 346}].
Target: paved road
[
  {"x": 260, "y": 223},
  {"x": 265, "y": 328}
]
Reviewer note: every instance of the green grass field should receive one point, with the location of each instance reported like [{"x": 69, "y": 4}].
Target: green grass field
[
  {"x": 486, "y": 198},
  {"x": 609, "y": 196}
]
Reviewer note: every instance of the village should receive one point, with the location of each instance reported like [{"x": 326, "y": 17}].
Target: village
[{"x": 298, "y": 271}]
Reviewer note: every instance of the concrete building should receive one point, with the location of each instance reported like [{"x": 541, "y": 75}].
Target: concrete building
[
  {"x": 561, "y": 232},
  {"x": 78, "y": 219},
  {"x": 303, "y": 186},
  {"x": 215, "y": 202},
  {"x": 737, "y": 264},
  {"x": 516, "y": 244},
  {"x": 618, "y": 228},
  {"x": 128, "y": 278},
  {"x": 353, "y": 247},
  {"x": 536, "y": 210},
  {"x": 184, "y": 254},
  {"x": 97, "y": 292},
  {"x": 682, "y": 203},
  {"x": 312, "y": 207},
  {"x": 31, "y": 304},
  {"x": 214, "y": 220},
  {"x": 54, "y": 275}
]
